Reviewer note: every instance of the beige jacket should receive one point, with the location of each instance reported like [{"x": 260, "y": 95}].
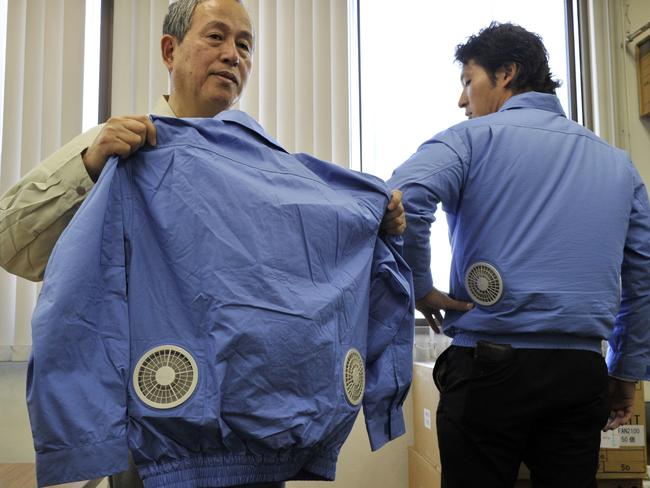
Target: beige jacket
[{"x": 34, "y": 212}]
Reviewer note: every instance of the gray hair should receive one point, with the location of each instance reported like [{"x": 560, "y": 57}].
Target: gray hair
[{"x": 179, "y": 18}]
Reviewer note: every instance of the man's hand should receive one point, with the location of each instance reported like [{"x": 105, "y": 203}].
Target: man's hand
[
  {"x": 433, "y": 302},
  {"x": 394, "y": 221},
  {"x": 621, "y": 400},
  {"x": 120, "y": 136}
]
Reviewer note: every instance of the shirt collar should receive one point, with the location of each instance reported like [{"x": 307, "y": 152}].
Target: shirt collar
[
  {"x": 162, "y": 107},
  {"x": 541, "y": 101}
]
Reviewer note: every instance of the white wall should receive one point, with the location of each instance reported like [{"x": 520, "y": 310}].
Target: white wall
[
  {"x": 618, "y": 100},
  {"x": 15, "y": 437}
]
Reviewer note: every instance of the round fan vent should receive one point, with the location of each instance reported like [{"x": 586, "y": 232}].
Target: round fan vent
[
  {"x": 483, "y": 283},
  {"x": 165, "y": 376},
  {"x": 354, "y": 376}
]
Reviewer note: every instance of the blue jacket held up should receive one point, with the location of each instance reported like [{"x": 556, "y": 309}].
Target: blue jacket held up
[{"x": 266, "y": 269}]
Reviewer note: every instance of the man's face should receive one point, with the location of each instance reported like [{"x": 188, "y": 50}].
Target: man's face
[
  {"x": 210, "y": 68},
  {"x": 481, "y": 95}
]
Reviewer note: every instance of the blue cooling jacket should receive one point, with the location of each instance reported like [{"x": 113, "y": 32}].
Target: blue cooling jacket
[
  {"x": 266, "y": 267},
  {"x": 562, "y": 215}
]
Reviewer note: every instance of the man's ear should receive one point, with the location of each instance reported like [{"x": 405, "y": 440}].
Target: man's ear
[
  {"x": 507, "y": 73},
  {"x": 168, "y": 46}
]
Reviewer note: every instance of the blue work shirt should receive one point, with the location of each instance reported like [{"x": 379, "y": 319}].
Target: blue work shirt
[
  {"x": 266, "y": 267},
  {"x": 564, "y": 218}
]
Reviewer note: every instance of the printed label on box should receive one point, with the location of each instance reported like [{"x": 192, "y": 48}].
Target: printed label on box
[
  {"x": 427, "y": 418},
  {"x": 631, "y": 435},
  {"x": 624, "y": 436}
]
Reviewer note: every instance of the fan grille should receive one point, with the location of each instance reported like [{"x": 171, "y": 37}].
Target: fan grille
[
  {"x": 165, "y": 376},
  {"x": 483, "y": 283},
  {"x": 354, "y": 376}
]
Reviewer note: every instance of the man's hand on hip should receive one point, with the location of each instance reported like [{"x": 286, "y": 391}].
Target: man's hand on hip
[
  {"x": 394, "y": 221},
  {"x": 434, "y": 302},
  {"x": 120, "y": 136},
  {"x": 621, "y": 400}
]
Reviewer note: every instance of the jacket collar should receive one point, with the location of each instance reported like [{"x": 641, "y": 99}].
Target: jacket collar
[
  {"x": 162, "y": 108},
  {"x": 245, "y": 120},
  {"x": 541, "y": 101}
]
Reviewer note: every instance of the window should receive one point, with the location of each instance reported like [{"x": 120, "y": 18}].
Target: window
[
  {"x": 91, "y": 64},
  {"x": 409, "y": 82}
]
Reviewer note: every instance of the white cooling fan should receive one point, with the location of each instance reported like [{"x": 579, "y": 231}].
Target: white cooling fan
[
  {"x": 483, "y": 283},
  {"x": 354, "y": 376},
  {"x": 165, "y": 376}
]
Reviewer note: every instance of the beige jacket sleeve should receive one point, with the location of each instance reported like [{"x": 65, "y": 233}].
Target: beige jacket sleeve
[{"x": 34, "y": 212}]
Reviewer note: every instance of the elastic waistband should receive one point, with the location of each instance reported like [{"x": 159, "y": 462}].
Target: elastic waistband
[
  {"x": 530, "y": 341},
  {"x": 228, "y": 470}
]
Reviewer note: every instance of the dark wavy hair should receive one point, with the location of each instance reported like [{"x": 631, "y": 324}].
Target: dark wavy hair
[{"x": 499, "y": 45}]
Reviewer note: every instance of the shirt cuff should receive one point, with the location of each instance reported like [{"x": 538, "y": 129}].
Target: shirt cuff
[
  {"x": 623, "y": 379},
  {"x": 74, "y": 176},
  {"x": 626, "y": 368},
  {"x": 385, "y": 429},
  {"x": 82, "y": 463},
  {"x": 422, "y": 285}
]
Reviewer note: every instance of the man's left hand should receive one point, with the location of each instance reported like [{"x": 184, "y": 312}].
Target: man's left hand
[
  {"x": 431, "y": 305},
  {"x": 394, "y": 221}
]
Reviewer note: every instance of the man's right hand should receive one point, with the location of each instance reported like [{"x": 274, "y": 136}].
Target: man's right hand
[
  {"x": 621, "y": 400},
  {"x": 433, "y": 302},
  {"x": 121, "y": 136}
]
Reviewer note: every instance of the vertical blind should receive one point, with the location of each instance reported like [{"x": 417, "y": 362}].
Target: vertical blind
[
  {"x": 42, "y": 110},
  {"x": 298, "y": 91}
]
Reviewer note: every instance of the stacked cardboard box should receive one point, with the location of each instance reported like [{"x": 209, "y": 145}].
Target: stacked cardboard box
[
  {"x": 424, "y": 457},
  {"x": 623, "y": 455}
]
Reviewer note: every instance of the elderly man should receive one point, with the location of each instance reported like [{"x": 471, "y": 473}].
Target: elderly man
[
  {"x": 546, "y": 222},
  {"x": 208, "y": 48}
]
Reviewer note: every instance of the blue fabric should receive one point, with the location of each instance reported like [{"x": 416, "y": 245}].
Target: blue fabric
[
  {"x": 562, "y": 215},
  {"x": 266, "y": 266}
]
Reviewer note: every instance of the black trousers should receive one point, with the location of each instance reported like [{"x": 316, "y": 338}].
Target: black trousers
[
  {"x": 131, "y": 479},
  {"x": 501, "y": 406}
]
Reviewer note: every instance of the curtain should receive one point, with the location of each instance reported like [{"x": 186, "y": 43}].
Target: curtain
[
  {"x": 298, "y": 91},
  {"x": 139, "y": 75},
  {"x": 42, "y": 111}
]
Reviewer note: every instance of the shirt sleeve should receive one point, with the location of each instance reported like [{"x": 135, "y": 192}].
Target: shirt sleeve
[
  {"x": 389, "y": 356},
  {"x": 434, "y": 174},
  {"x": 34, "y": 212},
  {"x": 629, "y": 352},
  {"x": 79, "y": 368}
]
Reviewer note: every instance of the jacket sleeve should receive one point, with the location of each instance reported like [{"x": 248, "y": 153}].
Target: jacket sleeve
[
  {"x": 76, "y": 386},
  {"x": 389, "y": 359},
  {"x": 434, "y": 174},
  {"x": 629, "y": 352},
  {"x": 34, "y": 212}
]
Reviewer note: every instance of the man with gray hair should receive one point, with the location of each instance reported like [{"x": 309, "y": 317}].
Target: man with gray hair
[{"x": 207, "y": 47}]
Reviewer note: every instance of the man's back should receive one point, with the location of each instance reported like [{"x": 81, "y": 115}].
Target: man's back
[{"x": 548, "y": 205}]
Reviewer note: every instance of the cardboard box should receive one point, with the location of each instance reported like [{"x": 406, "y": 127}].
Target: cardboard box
[
  {"x": 637, "y": 483},
  {"x": 425, "y": 402},
  {"x": 422, "y": 474},
  {"x": 629, "y": 459}
]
